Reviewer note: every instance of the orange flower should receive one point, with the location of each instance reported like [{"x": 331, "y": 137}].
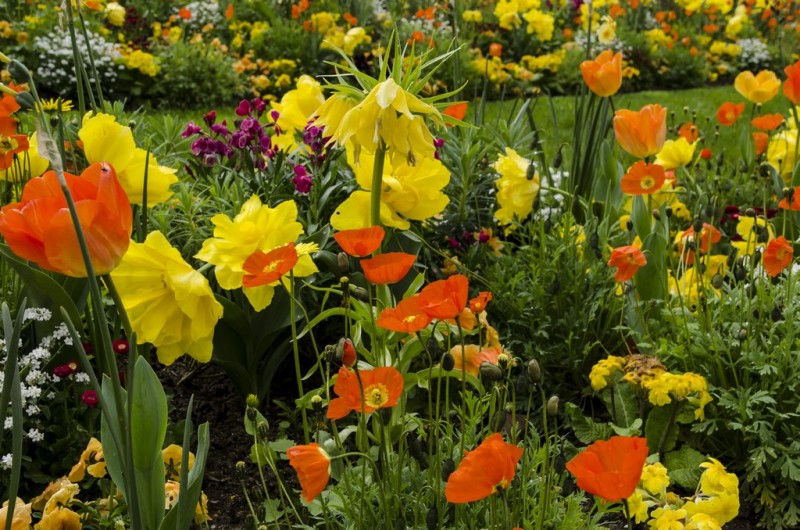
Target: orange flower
[
  {"x": 791, "y": 87},
  {"x": 795, "y": 204},
  {"x": 643, "y": 179},
  {"x": 11, "y": 143},
  {"x": 708, "y": 236},
  {"x": 777, "y": 256},
  {"x": 478, "y": 304},
  {"x": 445, "y": 299},
  {"x": 350, "y": 19},
  {"x": 610, "y": 469},
  {"x": 388, "y": 268},
  {"x": 491, "y": 466},
  {"x": 229, "y": 12},
  {"x": 706, "y": 154},
  {"x": 456, "y": 110},
  {"x": 471, "y": 356},
  {"x": 407, "y": 317},
  {"x": 8, "y": 103},
  {"x": 360, "y": 242},
  {"x": 642, "y": 133},
  {"x": 767, "y": 122},
  {"x": 689, "y": 131},
  {"x": 416, "y": 36},
  {"x": 761, "y": 142},
  {"x": 265, "y": 268},
  {"x": 603, "y": 75},
  {"x": 185, "y": 13},
  {"x": 495, "y": 49},
  {"x": 313, "y": 467},
  {"x": 627, "y": 260},
  {"x": 39, "y": 227},
  {"x": 757, "y": 88},
  {"x": 729, "y": 113},
  {"x": 382, "y": 388}
]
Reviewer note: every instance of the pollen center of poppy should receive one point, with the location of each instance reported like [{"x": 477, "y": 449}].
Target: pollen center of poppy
[
  {"x": 7, "y": 144},
  {"x": 409, "y": 319},
  {"x": 273, "y": 265},
  {"x": 647, "y": 183},
  {"x": 376, "y": 395}
]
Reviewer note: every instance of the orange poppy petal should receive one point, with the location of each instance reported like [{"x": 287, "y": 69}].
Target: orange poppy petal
[
  {"x": 388, "y": 268},
  {"x": 313, "y": 467},
  {"x": 610, "y": 469},
  {"x": 264, "y": 268},
  {"x": 407, "y": 317},
  {"x": 490, "y": 466},
  {"x": 360, "y": 242}
]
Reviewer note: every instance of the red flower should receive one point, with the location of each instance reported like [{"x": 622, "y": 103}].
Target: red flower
[
  {"x": 777, "y": 256},
  {"x": 90, "y": 398},
  {"x": 706, "y": 154},
  {"x": 610, "y": 469},
  {"x": 767, "y": 122},
  {"x": 495, "y": 49},
  {"x": 388, "y": 268},
  {"x": 313, "y": 467},
  {"x": 264, "y": 268},
  {"x": 185, "y": 13},
  {"x": 627, "y": 260},
  {"x": 349, "y": 354},
  {"x": 491, "y": 466},
  {"x": 360, "y": 242},
  {"x": 445, "y": 299},
  {"x": 407, "y": 317},
  {"x": 382, "y": 388},
  {"x": 729, "y": 113},
  {"x": 479, "y": 303},
  {"x": 643, "y": 179},
  {"x": 65, "y": 370},
  {"x": 121, "y": 346}
]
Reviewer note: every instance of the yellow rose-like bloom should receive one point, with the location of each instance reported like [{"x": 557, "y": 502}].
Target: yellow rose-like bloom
[
  {"x": 256, "y": 227},
  {"x": 60, "y": 519},
  {"x": 702, "y": 521},
  {"x": 655, "y": 478},
  {"x": 715, "y": 480},
  {"x": 105, "y": 140},
  {"x": 408, "y": 193},
  {"x": 675, "y": 153},
  {"x": 757, "y": 88},
  {"x": 540, "y": 24},
  {"x": 31, "y": 164},
  {"x": 472, "y": 15},
  {"x": 170, "y": 304},
  {"x": 296, "y": 108},
  {"x": 667, "y": 519},
  {"x": 722, "y": 508},
  {"x": 21, "y": 520},
  {"x": 604, "y": 370},
  {"x": 390, "y": 115},
  {"x": 781, "y": 153},
  {"x": 515, "y": 193}
]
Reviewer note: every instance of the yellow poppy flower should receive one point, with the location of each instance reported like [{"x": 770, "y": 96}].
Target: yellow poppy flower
[
  {"x": 757, "y": 88},
  {"x": 781, "y": 153},
  {"x": 675, "y": 153}
]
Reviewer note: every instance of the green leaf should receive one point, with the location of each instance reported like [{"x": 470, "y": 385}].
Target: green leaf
[
  {"x": 658, "y": 422},
  {"x": 651, "y": 280},
  {"x": 195, "y": 483},
  {"x": 625, "y": 402},
  {"x": 424, "y": 377},
  {"x": 586, "y": 429},
  {"x": 282, "y": 445},
  {"x": 684, "y": 467},
  {"x": 641, "y": 217},
  {"x": 113, "y": 454}
]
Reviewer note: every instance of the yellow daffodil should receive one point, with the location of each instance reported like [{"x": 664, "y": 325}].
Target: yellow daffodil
[
  {"x": 515, "y": 192},
  {"x": 30, "y": 165},
  {"x": 256, "y": 227},
  {"x": 655, "y": 478},
  {"x": 409, "y": 193},
  {"x": 170, "y": 304},
  {"x": 675, "y": 153},
  {"x": 21, "y": 520},
  {"x": 757, "y": 88},
  {"x": 296, "y": 108},
  {"x": 105, "y": 140}
]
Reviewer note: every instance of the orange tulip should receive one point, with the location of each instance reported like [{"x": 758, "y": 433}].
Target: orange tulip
[
  {"x": 767, "y": 122},
  {"x": 388, "y": 268},
  {"x": 642, "y": 133},
  {"x": 603, "y": 75},
  {"x": 791, "y": 87},
  {"x": 728, "y": 113},
  {"x": 491, "y": 466},
  {"x": 610, "y": 469},
  {"x": 445, "y": 299},
  {"x": 407, "y": 317},
  {"x": 478, "y": 304},
  {"x": 382, "y": 389},
  {"x": 777, "y": 256},
  {"x": 39, "y": 227},
  {"x": 761, "y": 142},
  {"x": 643, "y": 179},
  {"x": 627, "y": 260},
  {"x": 360, "y": 242},
  {"x": 757, "y": 88},
  {"x": 264, "y": 268},
  {"x": 313, "y": 467}
]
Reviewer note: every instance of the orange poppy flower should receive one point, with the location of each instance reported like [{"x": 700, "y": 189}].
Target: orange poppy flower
[
  {"x": 495, "y": 49},
  {"x": 388, "y": 268},
  {"x": 761, "y": 142},
  {"x": 728, "y": 113},
  {"x": 39, "y": 227},
  {"x": 706, "y": 154},
  {"x": 794, "y": 205},
  {"x": 603, "y": 75},
  {"x": 407, "y": 317},
  {"x": 642, "y": 133},
  {"x": 491, "y": 466},
  {"x": 627, "y": 260},
  {"x": 643, "y": 179},
  {"x": 767, "y": 122},
  {"x": 478, "y": 304},
  {"x": 610, "y": 469},
  {"x": 382, "y": 388},
  {"x": 777, "y": 256},
  {"x": 313, "y": 467},
  {"x": 229, "y": 12},
  {"x": 265, "y": 268},
  {"x": 445, "y": 299},
  {"x": 11, "y": 143},
  {"x": 350, "y": 19},
  {"x": 689, "y": 131},
  {"x": 185, "y": 13},
  {"x": 471, "y": 356},
  {"x": 360, "y": 242},
  {"x": 791, "y": 87},
  {"x": 8, "y": 103},
  {"x": 456, "y": 110}
]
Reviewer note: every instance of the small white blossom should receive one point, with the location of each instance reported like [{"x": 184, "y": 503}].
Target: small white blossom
[
  {"x": 38, "y": 314},
  {"x": 82, "y": 377},
  {"x": 35, "y": 435},
  {"x": 5, "y": 462}
]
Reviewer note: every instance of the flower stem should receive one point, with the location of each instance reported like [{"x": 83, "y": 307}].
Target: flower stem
[{"x": 377, "y": 184}]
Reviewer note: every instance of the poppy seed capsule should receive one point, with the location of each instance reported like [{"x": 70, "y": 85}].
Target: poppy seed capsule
[
  {"x": 742, "y": 335},
  {"x": 490, "y": 371},
  {"x": 552, "y": 406},
  {"x": 343, "y": 261},
  {"x": 252, "y": 401},
  {"x": 361, "y": 294},
  {"x": 448, "y": 362},
  {"x": 263, "y": 430},
  {"x": 534, "y": 371}
]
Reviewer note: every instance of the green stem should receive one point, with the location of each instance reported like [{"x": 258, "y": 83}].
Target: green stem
[
  {"x": 377, "y": 184},
  {"x": 296, "y": 352}
]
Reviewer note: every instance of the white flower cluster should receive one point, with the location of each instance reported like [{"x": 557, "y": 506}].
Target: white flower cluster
[
  {"x": 755, "y": 55},
  {"x": 56, "y": 71},
  {"x": 203, "y": 12}
]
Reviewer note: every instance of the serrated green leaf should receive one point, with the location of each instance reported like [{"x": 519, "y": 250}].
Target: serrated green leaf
[{"x": 684, "y": 467}]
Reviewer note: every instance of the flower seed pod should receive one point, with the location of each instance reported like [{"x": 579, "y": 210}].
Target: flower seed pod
[
  {"x": 490, "y": 371},
  {"x": 717, "y": 281},
  {"x": 252, "y": 401},
  {"x": 343, "y": 261},
  {"x": 448, "y": 466},
  {"x": 448, "y": 362},
  {"x": 432, "y": 519},
  {"x": 552, "y": 406},
  {"x": 361, "y": 294},
  {"x": 263, "y": 430},
  {"x": 534, "y": 371}
]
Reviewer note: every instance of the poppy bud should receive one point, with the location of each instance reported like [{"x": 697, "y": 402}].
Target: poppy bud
[
  {"x": 385, "y": 414},
  {"x": 668, "y": 211},
  {"x": 697, "y": 225},
  {"x": 432, "y": 519},
  {"x": 448, "y": 362},
  {"x": 343, "y": 261},
  {"x": 25, "y": 101},
  {"x": 720, "y": 160},
  {"x": 346, "y": 352},
  {"x": 240, "y": 469},
  {"x": 263, "y": 430},
  {"x": 417, "y": 451},
  {"x": 448, "y": 466},
  {"x": 531, "y": 172},
  {"x": 252, "y": 401},
  {"x": 534, "y": 371},
  {"x": 316, "y": 403},
  {"x": 559, "y": 158},
  {"x": 548, "y": 224},
  {"x": 717, "y": 281},
  {"x": 251, "y": 413},
  {"x": 552, "y": 406},
  {"x": 555, "y": 287},
  {"x": 361, "y": 294},
  {"x": 490, "y": 371},
  {"x": 594, "y": 240},
  {"x": 656, "y": 214},
  {"x": 739, "y": 272},
  {"x": 19, "y": 72},
  {"x": 742, "y": 335},
  {"x": 433, "y": 346},
  {"x": 750, "y": 213},
  {"x": 54, "y": 120},
  {"x": 757, "y": 254},
  {"x": 788, "y": 193},
  {"x": 629, "y": 225},
  {"x": 776, "y": 314},
  {"x": 329, "y": 353},
  {"x": 502, "y": 361}
]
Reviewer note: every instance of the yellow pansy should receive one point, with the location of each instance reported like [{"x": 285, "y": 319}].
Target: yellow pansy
[
  {"x": 60, "y": 519},
  {"x": 173, "y": 458},
  {"x": 93, "y": 454},
  {"x": 409, "y": 193},
  {"x": 256, "y": 227},
  {"x": 30, "y": 165},
  {"x": 515, "y": 192},
  {"x": 105, "y": 140},
  {"x": 170, "y": 305},
  {"x": 675, "y": 153}
]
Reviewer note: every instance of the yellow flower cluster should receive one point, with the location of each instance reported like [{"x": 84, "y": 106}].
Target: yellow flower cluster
[
  {"x": 548, "y": 61},
  {"x": 688, "y": 386},
  {"x": 511, "y": 13},
  {"x": 493, "y": 68},
  {"x": 720, "y": 6},
  {"x": 516, "y": 188},
  {"x": 724, "y": 48},
  {"x": 346, "y": 41},
  {"x": 715, "y": 504},
  {"x": 145, "y": 62},
  {"x": 540, "y": 24},
  {"x": 323, "y": 21},
  {"x": 6, "y": 31},
  {"x": 657, "y": 38},
  {"x": 472, "y": 15},
  {"x": 602, "y": 374}
]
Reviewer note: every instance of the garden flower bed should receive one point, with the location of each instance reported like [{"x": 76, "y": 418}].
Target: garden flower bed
[{"x": 400, "y": 265}]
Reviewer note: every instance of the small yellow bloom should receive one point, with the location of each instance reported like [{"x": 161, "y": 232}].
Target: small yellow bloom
[
  {"x": 173, "y": 457},
  {"x": 516, "y": 193},
  {"x": 603, "y": 371},
  {"x": 675, "y": 153},
  {"x": 638, "y": 507},
  {"x": 715, "y": 480},
  {"x": 667, "y": 519},
  {"x": 757, "y": 88},
  {"x": 472, "y": 15},
  {"x": 702, "y": 521},
  {"x": 115, "y": 14},
  {"x": 723, "y": 508},
  {"x": 655, "y": 478}
]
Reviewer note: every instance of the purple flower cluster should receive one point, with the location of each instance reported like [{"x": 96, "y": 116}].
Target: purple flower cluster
[{"x": 315, "y": 139}]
